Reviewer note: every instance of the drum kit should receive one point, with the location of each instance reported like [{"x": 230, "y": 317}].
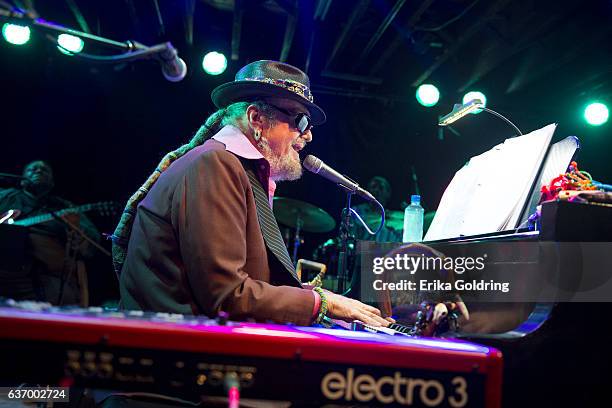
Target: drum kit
[{"x": 300, "y": 217}]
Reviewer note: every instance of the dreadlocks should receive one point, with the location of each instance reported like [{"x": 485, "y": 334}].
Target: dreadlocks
[{"x": 230, "y": 115}]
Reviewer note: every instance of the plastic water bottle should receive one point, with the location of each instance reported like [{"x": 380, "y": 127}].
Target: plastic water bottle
[{"x": 413, "y": 220}]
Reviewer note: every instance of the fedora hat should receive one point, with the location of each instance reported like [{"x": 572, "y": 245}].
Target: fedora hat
[{"x": 267, "y": 78}]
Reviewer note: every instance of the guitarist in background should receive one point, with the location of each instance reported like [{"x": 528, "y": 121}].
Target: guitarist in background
[{"x": 54, "y": 270}]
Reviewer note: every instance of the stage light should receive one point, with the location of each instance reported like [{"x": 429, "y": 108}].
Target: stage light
[
  {"x": 475, "y": 95},
  {"x": 427, "y": 95},
  {"x": 16, "y": 34},
  {"x": 596, "y": 114},
  {"x": 214, "y": 63},
  {"x": 69, "y": 44}
]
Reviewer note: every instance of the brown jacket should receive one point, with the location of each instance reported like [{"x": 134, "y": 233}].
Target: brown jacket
[{"x": 196, "y": 245}]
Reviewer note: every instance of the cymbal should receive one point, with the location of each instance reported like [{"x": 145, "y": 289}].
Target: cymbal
[
  {"x": 314, "y": 219},
  {"x": 393, "y": 219}
]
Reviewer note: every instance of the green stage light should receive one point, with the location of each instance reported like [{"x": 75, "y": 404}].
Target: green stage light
[
  {"x": 214, "y": 63},
  {"x": 475, "y": 95},
  {"x": 427, "y": 95},
  {"x": 69, "y": 44},
  {"x": 596, "y": 114},
  {"x": 16, "y": 34}
]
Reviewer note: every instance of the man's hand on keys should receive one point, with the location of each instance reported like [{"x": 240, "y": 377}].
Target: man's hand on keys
[{"x": 343, "y": 308}]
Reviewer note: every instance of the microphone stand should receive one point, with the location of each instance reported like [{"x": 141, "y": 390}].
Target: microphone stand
[
  {"x": 134, "y": 49},
  {"x": 10, "y": 179},
  {"x": 67, "y": 264},
  {"x": 11, "y": 176},
  {"x": 344, "y": 236}
]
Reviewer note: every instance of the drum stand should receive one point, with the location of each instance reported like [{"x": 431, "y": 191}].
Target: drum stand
[{"x": 299, "y": 222}]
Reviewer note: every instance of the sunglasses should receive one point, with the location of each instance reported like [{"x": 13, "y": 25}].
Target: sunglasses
[{"x": 302, "y": 121}]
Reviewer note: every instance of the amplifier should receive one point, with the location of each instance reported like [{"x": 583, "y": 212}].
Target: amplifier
[{"x": 192, "y": 357}]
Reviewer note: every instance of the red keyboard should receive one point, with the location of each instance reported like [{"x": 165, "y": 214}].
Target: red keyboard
[{"x": 191, "y": 357}]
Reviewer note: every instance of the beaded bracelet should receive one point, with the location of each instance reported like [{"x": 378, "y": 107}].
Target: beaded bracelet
[{"x": 323, "y": 307}]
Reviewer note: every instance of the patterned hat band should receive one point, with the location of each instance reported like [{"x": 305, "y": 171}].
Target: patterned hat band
[{"x": 293, "y": 86}]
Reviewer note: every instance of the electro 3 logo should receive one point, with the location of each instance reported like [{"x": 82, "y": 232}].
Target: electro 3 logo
[{"x": 393, "y": 389}]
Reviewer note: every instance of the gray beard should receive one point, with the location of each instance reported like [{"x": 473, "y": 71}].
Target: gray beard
[{"x": 281, "y": 167}]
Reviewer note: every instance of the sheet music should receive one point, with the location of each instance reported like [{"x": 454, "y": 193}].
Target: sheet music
[{"x": 488, "y": 193}]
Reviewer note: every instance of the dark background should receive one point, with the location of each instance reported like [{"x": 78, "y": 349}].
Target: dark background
[{"x": 104, "y": 128}]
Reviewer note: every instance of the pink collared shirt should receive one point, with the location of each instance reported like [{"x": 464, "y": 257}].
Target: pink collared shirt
[{"x": 236, "y": 142}]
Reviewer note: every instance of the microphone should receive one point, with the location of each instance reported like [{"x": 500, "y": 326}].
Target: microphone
[
  {"x": 173, "y": 67},
  {"x": 316, "y": 165}
]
